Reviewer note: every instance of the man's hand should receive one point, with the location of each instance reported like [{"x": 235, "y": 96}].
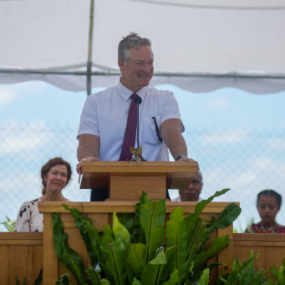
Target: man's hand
[
  {"x": 79, "y": 165},
  {"x": 88, "y": 149},
  {"x": 190, "y": 159}
]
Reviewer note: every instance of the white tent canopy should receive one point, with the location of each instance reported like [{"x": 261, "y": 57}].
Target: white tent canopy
[{"x": 199, "y": 45}]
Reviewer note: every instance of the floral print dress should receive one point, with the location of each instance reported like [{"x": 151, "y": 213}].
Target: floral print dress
[
  {"x": 29, "y": 218},
  {"x": 260, "y": 229}
]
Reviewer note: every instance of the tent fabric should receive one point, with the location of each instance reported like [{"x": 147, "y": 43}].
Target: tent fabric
[{"x": 198, "y": 45}]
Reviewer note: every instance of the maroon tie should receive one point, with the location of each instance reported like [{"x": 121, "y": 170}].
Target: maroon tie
[{"x": 130, "y": 133}]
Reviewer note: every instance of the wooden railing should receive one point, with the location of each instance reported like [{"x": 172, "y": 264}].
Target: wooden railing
[
  {"x": 271, "y": 249},
  {"x": 21, "y": 254},
  {"x": 24, "y": 254}
]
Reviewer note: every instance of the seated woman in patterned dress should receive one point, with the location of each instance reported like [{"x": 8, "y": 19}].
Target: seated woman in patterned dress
[
  {"x": 268, "y": 205},
  {"x": 55, "y": 175}
]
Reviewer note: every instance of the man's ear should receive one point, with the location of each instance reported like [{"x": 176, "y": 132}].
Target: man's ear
[{"x": 121, "y": 65}]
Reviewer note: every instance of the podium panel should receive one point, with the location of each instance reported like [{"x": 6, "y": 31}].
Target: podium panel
[
  {"x": 154, "y": 186},
  {"x": 101, "y": 213}
]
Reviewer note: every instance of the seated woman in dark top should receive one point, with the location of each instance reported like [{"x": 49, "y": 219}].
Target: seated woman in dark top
[{"x": 268, "y": 205}]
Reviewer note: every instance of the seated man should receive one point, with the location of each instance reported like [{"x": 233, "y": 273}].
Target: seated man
[{"x": 192, "y": 193}]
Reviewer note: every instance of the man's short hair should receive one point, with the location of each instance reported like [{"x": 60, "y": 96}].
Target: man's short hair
[{"x": 132, "y": 40}]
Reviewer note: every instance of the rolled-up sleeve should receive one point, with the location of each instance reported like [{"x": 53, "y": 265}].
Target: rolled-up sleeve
[
  {"x": 88, "y": 120},
  {"x": 170, "y": 109}
]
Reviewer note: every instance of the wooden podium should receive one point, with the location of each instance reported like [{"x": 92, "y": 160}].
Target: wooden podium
[{"x": 126, "y": 180}]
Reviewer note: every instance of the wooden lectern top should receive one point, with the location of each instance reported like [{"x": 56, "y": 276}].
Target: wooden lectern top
[{"x": 178, "y": 174}]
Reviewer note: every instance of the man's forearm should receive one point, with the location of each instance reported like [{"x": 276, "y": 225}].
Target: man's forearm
[
  {"x": 177, "y": 146},
  {"x": 83, "y": 152},
  {"x": 88, "y": 146},
  {"x": 171, "y": 135}
]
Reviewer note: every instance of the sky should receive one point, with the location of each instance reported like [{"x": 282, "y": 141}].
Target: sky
[{"x": 213, "y": 115}]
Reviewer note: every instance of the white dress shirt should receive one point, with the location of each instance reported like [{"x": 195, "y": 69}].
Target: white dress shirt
[
  {"x": 178, "y": 199},
  {"x": 105, "y": 115}
]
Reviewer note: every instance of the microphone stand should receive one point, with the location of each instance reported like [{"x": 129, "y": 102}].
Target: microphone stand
[{"x": 138, "y": 101}]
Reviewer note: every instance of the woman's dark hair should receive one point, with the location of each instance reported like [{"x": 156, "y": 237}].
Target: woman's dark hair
[
  {"x": 51, "y": 163},
  {"x": 272, "y": 193}
]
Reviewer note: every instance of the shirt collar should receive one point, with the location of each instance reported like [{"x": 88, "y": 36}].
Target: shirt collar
[{"x": 126, "y": 93}]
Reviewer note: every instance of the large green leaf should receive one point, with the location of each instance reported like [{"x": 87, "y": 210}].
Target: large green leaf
[
  {"x": 104, "y": 282},
  {"x": 166, "y": 270},
  {"x": 152, "y": 215},
  {"x": 204, "y": 279},
  {"x": 152, "y": 271},
  {"x": 95, "y": 237},
  {"x": 176, "y": 235},
  {"x": 174, "y": 278},
  {"x": 94, "y": 276},
  {"x": 108, "y": 236},
  {"x": 139, "y": 236},
  {"x": 169, "y": 251},
  {"x": 270, "y": 282},
  {"x": 219, "y": 244},
  {"x": 120, "y": 230},
  {"x": 136, "y": 282},
  {"x": 228, "y": 215},
  {"x": 281, "y": 276},
  {"x": 202, "y": 204},
  {"x": 195, "y": 238},
  {"x": 191, "y": 219},
  {"x": 115, "y": 254},
  {"x": 82, "y": 224},
  {"x": 130, "y": 274},
  {"x": 127, "y": 220},
  {"x": 67, "y": 256},
  {"x": 274, "y": 272},
  {"x": 232, "y": 279},
  {"x": 137, "y": 258}
]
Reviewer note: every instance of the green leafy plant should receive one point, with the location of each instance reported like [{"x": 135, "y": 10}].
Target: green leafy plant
[
  {"x": 181, "y": 260},
  {"x": 279, "y": 275},
  {"x": 9, "y": 224},
  {"x": 204, "y": 279},
  {"x": 243, "y": 273}
]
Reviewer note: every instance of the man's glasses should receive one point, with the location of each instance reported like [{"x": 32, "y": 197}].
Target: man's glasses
[{"x": 195, "y": 182}]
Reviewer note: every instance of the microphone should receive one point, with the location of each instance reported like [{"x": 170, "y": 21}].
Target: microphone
[{"x": 138, "y": 101}]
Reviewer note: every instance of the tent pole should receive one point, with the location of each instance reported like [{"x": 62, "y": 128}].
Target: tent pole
[{"x": 89, "y": 61}]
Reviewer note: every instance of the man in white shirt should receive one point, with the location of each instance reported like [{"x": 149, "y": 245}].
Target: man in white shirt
[
  {"x": 192, "y": 193},
  {"x": 104, "y": 115}
]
